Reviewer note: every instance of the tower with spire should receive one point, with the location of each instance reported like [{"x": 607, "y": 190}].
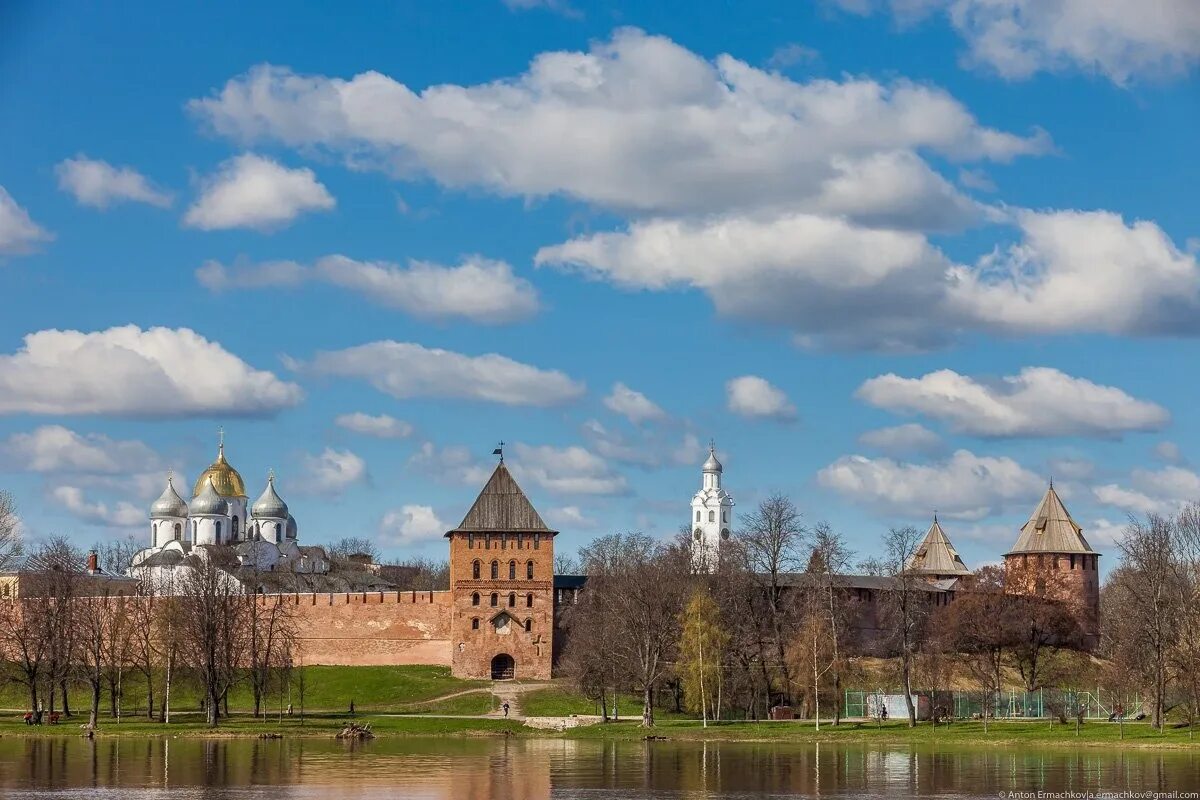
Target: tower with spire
[
  {"x": 712, "y": 515},
  {"x": 935, "y": 558},
  {"x": 1052, "y": 559}
]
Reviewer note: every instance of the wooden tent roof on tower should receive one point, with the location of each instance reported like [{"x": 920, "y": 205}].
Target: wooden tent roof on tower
[
  {"x": 936, "y": 555},
  {"x": 502, "y": 507},
  {"x": 1051, "y": 529}
]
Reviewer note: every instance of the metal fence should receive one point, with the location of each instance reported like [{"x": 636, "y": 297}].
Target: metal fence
[{"x": 1007, "y": 704}]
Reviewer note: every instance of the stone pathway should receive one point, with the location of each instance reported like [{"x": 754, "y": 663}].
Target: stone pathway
[{"x": 510, "y": 692}]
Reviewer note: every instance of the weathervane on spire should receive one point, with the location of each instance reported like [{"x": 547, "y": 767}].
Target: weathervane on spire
[
  {"x": 221, "y": 438},
  {"x": 499, "y": 451},
  {"x": 712, "y": 445}
]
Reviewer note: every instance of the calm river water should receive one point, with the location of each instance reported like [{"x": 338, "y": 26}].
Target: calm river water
[{"x": 500, "y": 769}]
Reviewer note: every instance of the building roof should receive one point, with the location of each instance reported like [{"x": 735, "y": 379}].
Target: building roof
[
  {"x": 500, "y": 507},
  {"x": 1051, "y": 529},
  {"x": 876, "y": 583},
  {"x": 936, "y": 555},
  {"x": 226, "y": 480}
]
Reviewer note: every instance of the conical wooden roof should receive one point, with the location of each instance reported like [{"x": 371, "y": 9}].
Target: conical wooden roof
[
  {"x": 936, "y": 555},
  {"x": 500, "y": 507},
  {"x": 1051, "y": 530}
]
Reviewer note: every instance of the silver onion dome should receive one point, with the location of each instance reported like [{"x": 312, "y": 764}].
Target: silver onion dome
[
  {"x": 169, "y": 503},
  {"x": 712, "y": 465},
  {"x": 291, "y": 527},
  {"x": 208, "y": 501},
  {"x": 269, "y": 505}
]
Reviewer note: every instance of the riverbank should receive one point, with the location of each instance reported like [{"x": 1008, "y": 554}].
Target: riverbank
[{"x": 1033, "y": 734}]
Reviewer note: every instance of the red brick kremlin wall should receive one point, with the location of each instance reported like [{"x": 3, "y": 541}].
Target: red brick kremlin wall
[{"x": 372, "y": 628}]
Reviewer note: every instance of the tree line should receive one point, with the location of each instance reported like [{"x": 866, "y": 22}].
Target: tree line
[{"x": 777, "y": 625}]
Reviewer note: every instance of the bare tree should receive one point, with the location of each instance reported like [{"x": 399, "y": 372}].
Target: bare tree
[
  {"x": 11, "y": 546},
  {"x": 830, "y": 558},
  {"x": 348, "y": 546},
  {"x": 904, "y": 605},
  {"x": 271, "y": 644},
  {"x": 978, "y": 628},
  {"x": 772, "y": 538},
  {"x": 213, "y": 635}
]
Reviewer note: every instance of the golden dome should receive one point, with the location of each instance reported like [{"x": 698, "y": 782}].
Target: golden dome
[{"x": 225, "y": 478}]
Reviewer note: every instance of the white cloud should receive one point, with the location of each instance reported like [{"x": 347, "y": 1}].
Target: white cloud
[
  {"x": 478, "y": 289},
  {"x": 1160, "y": 491},
  {"x": 127, "y": 371},
  {"x": 1103, "y": 533},
  {"x": 1040, "y": 401},
  {"x": 902, "y": 439},
  {"x": 569, "y": 470},
  {"x": 646, "y": 448},
  {"x": 752, "y": 396},
  {"x": 331, "y": 472},
  {"x": 632, "y": 405},
  {"x": 54, "y": 448},
  {"x": 382, "y": 426},
  {"x": 1082, "y": 271},
  {"x": 791, "y": 54},
  {"x": 1169, "y": 452},
  {"x": 569, "y": 517},
  {"x": 250, "y": 191},
  {"x": 405, "y": 370},
  {"x": 454, "y": 464},
  {"x": 412, "y": 524},
  {"x": 1119, "y": 39},
  {"x": 816, "y": 275},
  {"x": 121, "y": 515},
  {"x": 964, "y": 486},
  {"x": 18, "y": 233},
  {"x": 100, "y": 185},
  {"x": 637, "y": 123}
]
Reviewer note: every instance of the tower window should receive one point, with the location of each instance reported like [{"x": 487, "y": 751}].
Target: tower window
[
  {"x": 177, "y": 531},
  {"x": 712, "y": 516},
  {"x": 1072, "y": 561},
  {"x": 487, "y": 541},
  {"x": 495, "y": 570},
  {"x": 495, "y": 599},
  {"x": 504, "y": 541},
  {"x": 470, "y": 541},
  {"x": 528, "y": 570},
  {"x": 218, "y": 531},
  {"x": 475, "y": 623},
  {"x": 233, "y": 531},
  {"x": 475, "y": 570},
  {"x": 725, "y": 516},
  {"x": 697, "y": 515},
  {"x": 475, "y": 599},
  {"x": 537, "y": 541},
  {"x": 528, "y": 624},
  {"x": 512, "y": 570},
  {"x": 529, "y": 601},
  {"x": 512, "y": 599}
]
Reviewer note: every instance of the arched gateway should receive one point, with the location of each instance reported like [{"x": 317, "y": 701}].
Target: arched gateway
[{"x": 503, "y": 667}]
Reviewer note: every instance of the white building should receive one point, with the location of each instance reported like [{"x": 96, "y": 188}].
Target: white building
[
  {"x": 712, "y": 516},
  {"x": 263, "y": 534}
]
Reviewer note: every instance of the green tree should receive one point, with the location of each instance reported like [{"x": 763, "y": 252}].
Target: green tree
[{"x": 702, "y": 644}]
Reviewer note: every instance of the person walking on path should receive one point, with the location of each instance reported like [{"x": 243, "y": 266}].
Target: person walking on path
[{"x": 505, "y": 710}]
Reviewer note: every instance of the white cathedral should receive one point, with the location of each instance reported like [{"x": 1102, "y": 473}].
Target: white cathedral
[
  {"x": 263, "y": 534},
  {"x": 712, "y": 516}
]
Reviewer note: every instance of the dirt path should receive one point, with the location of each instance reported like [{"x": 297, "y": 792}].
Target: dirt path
[{"x": 510, "y": 692}]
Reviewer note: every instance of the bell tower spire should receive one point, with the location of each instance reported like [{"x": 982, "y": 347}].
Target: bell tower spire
[{"x": 712, "y": 515}]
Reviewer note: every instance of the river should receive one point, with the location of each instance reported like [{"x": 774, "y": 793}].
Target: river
[{"x": 532, "y": 769}]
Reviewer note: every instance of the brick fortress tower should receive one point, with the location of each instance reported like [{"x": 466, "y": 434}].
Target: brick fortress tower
[
  {"x": 1051, "y": 558},
  {"x": 502, "y": 583}
]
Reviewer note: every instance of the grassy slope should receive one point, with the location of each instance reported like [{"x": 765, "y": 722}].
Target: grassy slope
[{"x": 325, "y": 689}]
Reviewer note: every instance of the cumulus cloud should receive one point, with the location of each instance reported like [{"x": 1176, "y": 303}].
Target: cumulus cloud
[
  {"x": 644, "y": 448},
  {"x": 120, "y": 515},
  {"x": 753, "y": 397},
  {"x": 18, "y": 233},
  {"x": 406, "y": 370},
  {"x": 127, "y": 371},
  {"x": 454, "y": 464},
  {"x": 1169, "y": 452},
  {"x": 382, "y": 426},
  {"x": 964, "y": 486},
  {"x": 1039, "y": 401},
  {"x": 902, "y": 439},
  {"x": 331, "y": 472},
  {"x": 411, "y": 524},
  {"x": 100, "y": 185},
  {"x": 478, "y": 289},
  {"x": 1082, "y": 271},
  {"x": 632, "y": 405},
  {"x": 569, "y": 470},
  {"x": 1159, "y": 491},
  {"x": 569, "y": 517},
  {"x": 250, "y": 191},
  {"x": 54, "y": 448},
  {"x": 636, "y": 123},
  {"x": 1115, "y": 38}
]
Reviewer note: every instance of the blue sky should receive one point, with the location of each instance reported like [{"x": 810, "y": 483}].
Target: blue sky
[{"x": 892, "y": 256}]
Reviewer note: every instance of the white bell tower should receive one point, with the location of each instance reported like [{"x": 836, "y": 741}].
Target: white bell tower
[{"x": 712, "y": 517}]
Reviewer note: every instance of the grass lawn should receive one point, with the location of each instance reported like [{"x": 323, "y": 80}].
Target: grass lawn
[
  {"x": 325, "y": 689},
  {"x": 561, "y": 701}
]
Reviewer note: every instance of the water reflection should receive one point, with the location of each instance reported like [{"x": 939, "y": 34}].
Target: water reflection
[{"x": 539, "y": 769}]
